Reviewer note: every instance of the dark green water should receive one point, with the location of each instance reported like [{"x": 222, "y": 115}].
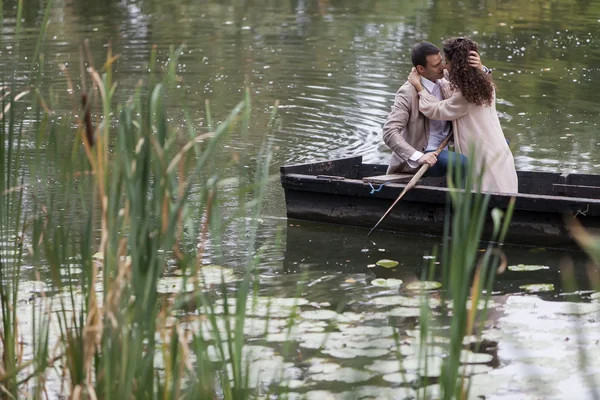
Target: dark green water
[{"x": 334, "y": 67}]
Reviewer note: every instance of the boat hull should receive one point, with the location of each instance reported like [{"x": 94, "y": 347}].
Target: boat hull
[{"x": 333, "y": 192}]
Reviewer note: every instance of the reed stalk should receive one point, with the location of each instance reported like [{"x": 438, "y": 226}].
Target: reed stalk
[{"x": 467, "y": 274}]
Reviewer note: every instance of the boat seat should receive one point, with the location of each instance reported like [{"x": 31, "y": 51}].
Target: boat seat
[{"x": 391, "y": 178}]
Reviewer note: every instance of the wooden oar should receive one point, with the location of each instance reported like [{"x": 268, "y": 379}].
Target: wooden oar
[{"x": 413, "y": 181}]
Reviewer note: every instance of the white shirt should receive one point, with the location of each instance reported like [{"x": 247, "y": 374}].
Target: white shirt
[{"x": 438, "y": 130}]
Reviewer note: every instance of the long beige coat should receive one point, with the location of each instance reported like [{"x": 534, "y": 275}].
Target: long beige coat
[
  {"x": 476, "y": 127},
  {"x": 406, "y": 130}
]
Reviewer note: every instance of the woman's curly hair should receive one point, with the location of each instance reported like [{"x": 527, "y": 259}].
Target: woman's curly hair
[{"x": 476, "y": 86}]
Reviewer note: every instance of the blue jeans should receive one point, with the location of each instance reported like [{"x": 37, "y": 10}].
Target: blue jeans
[{"x": 441, "y": 166}]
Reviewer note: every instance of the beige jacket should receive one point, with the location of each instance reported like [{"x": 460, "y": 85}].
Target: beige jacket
[
  {"x": 476, "y": 128},
  {"x": 406, "y": 129}
]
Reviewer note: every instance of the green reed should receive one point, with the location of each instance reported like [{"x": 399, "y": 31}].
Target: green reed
[
  {"x": 467, "y": 274},
  {"x": 590, "y": 244},
  {"x": 122, "y": 207}
]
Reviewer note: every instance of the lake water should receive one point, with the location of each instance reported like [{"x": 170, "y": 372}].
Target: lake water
[{"x": 334, "y": 66}]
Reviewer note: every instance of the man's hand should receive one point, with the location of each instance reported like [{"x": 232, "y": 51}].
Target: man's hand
[
  {"x": 475, "y": 60},
  {"x": 428, "y": 158}
]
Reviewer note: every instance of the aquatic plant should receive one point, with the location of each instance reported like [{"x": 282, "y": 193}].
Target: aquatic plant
[
  {"x": 467, "y": 275},
  {"x": 140, "y": 194}
]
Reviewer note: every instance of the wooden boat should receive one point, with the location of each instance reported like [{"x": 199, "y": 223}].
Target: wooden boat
[{"x": 348, "y": 192}]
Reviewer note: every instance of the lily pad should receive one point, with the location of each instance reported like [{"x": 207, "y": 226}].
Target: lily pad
[
  {"x": 379, "y": 331},
  {"x": 319, "y": 315},
  {"x": 385, "y": 366},
  {"x": 378, "y": 392},
  {"x": 430, "y": 366},
  {"x": 323, "y": 368},
  {"x": 405, "y": 312},
  {"x": 474, "y": 369},
  {"x": 387, "y": 263},
  {"x": 347, "y": 375},
  {"x": 468, "y": 357},
  {"x": 527, "y": 268},
  {"x": 391, "y": 282},
  {"x": 424, "y": 285},
  {"x": 349, "y": 352},
  {"x": 417, "y": 301},
  {"x": 399, "y": 377},
  {"x": 538, "y": 287}
]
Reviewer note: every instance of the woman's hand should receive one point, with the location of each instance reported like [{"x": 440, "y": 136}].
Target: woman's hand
[
  {"x": 475, "y": 60},
  {"x": 415, "y": 79}
]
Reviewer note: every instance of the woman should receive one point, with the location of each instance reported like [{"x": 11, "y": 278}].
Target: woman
[{"x": 472, "y": 110}]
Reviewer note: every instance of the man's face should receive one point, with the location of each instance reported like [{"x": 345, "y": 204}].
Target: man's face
[{"x": 434, "y": 69}]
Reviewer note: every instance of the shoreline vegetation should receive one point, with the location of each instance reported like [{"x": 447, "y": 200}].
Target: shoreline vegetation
[{"x": 123, "y": 306}]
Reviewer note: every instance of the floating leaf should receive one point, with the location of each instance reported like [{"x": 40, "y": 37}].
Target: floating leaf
[
  {"x": 347, "y": 375},
  {"x": 524, "y": 268},
  {"x": 424, "y": 285},
  {"x": 387, "y": 263},
  {"x": 473, "y": 369},
  {"x": 323, "y": 368},
  {"x": 350, "y": 352},
  {"x": 319, "y": 314},
  {"x": 405, "y": 312},
  {"x": 399, "y": 377},
  {"x": 391, "y": 282},
  {"x": 350, "y": 280},
  {"x": 468, "y": 357},
  {"x": 385, "y": 366},
  {"x": 538, "y": 287},
  {"x": 384, "y": 301},
  {"x": 359, "y": 392},
  {"x": 430, "y": 366},
  {"x": 355, "y": 330}
]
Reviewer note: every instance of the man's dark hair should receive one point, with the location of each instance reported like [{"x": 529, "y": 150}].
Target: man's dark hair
[{"x": 420, "y": 51}]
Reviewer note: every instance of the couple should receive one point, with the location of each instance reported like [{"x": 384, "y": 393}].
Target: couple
[{"x": 458, "y": 97}]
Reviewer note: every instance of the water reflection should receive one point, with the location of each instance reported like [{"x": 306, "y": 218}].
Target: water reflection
[
  {"x": 334, "y": 66},
  {"x": 330, "y": 248}
]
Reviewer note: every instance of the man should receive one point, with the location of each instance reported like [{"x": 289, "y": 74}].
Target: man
[{"x": 412, "y": 136}]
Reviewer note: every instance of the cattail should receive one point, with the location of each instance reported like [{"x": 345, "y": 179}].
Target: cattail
[{"x": 87, "y": 119}]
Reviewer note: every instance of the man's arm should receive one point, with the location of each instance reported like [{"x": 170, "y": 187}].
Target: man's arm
[{"x": 396, "y": 122}]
